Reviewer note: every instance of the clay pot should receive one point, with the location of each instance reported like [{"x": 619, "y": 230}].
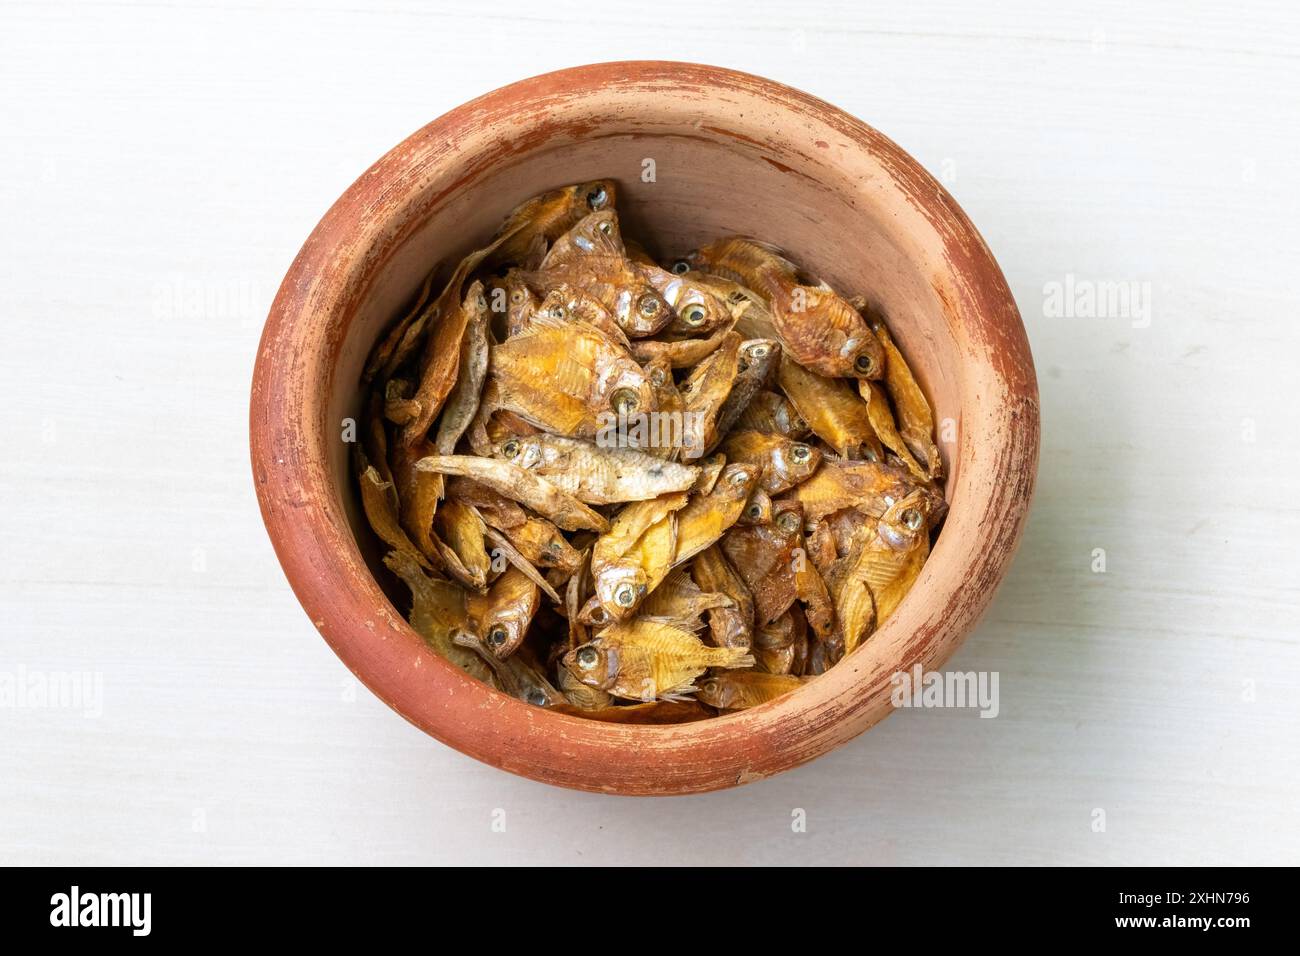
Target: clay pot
[{"x": 698, "y": 152}]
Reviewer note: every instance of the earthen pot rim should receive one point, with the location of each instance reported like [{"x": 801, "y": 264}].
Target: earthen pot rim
[{"x": 315, "y": 546}]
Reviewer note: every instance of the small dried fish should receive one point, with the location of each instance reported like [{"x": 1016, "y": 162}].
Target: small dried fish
[
  {"x": 500, "y": 618},
  {"x": 437, "y": 612},
  {"x": 568, "y": 378},
  {"x": 818, "y": 329},
  {"x": 594, "y": 474},
  {"x": 730, "y": 626},
  {"x": 680, "y": 353},
  {"x": 772, "y": 412},
  {"x": 591, "y": 256},
  {"x": 915, "y": 418},
  {"x": 623, "y": 582},
  {"x": 705, "y": 391},
  {"x": 785, "y": 463},
  {"x": 462, "y": 403},
  {"x": 868, "y": 486},
  {"x": 549, "y": 216},
  {"x": 764, "y": 555},
  {"x": 756, "y": 365},
  {"x": 707, "y": 516},
  {"x": 648, "y": 659},
  {"x": 882, "y": 422},
  {"x": 502, "y": 547},
  {"x": 518, "y": 676},
  {"x": 537, "y": 541},
  {"x": 737, "y": 690},
  {"x": 781, "y": 647},
  {"x": 832, "y": 411},
  {"x": 679, "y": 600},
  {"x": 523, "y": 486},
  {"x": 462, "y": 531},
  {"x": 380, "y": 504}
]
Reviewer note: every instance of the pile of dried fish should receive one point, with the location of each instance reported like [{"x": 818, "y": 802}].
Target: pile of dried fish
[{"x": 642, "y": 494}]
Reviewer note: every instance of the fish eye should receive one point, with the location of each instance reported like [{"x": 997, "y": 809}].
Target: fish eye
[
  {"x": 517, "y": 296},
  {"x": 754, "y": 511},
  {"x": 597, "y": 198},
  {"x": 864, "y": 364},
  {"x": 497, "y": 636},
  {"x": 559, "y": 312},
  {"x": 911, "y": 519},
  {"x": 800, "y": 453},
  {"x": 625, "y": 401},
  {"x": 649, "y": 304},
  {"x": 537, "y": 697},
  {"x": 625, "y": 596},
  {"x": 740, "y": 477},
  {"x": 693, "y": 315},
  {"x": 788, "y": 522},
  {"x": 759, "y": 351},
  {"x": 510, "y": 448},
  {"x": 587, "y": 658},
  {"x": 606, "y": 227},
  {"x": 680, "y": 267},
  {"x": 598, "y": 614}
]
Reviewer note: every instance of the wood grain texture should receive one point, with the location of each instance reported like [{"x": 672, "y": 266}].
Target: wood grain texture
[{"x": 162, "y": 166}]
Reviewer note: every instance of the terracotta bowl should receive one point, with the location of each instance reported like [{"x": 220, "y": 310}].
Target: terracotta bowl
[{"x": 730, "y": 153}]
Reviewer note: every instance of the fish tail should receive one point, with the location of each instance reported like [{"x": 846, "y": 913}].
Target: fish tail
[{"x": 730, "y": 657}]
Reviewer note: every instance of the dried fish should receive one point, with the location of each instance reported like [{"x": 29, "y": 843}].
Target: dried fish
[
  {"x": 818, "y": 329},
  {"x": 523, "y": 486},
  {"x": 594, "y": 474},
  {"x": 648, "y": 659},
  {"x": 737, "y": 690},
  {"x": 691, "y": 489}
]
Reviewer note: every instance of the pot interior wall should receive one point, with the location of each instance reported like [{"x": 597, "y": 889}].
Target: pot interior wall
[{"x": 707, "y": 183}]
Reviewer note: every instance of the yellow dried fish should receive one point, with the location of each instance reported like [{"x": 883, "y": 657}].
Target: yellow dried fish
[
  {"x": 380, "y": 504},
  {"x": 591, "y": 257},
  {"x": 646, "y": 659},
  {"x": 706, "y": 389},
  {"x": 679, "y": 600},
  {"x": 523, "y": 486},
  {"x": 731, "y": 626},
  {"x": 772, "y": 412},
  {"x": 462, "y": 530},
  {"x": 784, "y": 463},
  {"x": 437, "y": 611},
  {"x": 915, "y": 418},
  {"x": 569, "y": 378},
  {"x": 518, "y": 676},
  {"x": 594, "y": 474},
  {"x": 818, "y": 329},
  {"x": 707, "y": 516},
  {"x": 737, "y": 690},
  {"x": 500, "y": 618},
  {"x": 882, "y": 422},
  {"x": 832, "y": 411},
  {"x": 549, "y": 216}
]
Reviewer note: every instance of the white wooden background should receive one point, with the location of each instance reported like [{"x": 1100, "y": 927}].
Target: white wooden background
[{"x": 161, "y": 163}]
